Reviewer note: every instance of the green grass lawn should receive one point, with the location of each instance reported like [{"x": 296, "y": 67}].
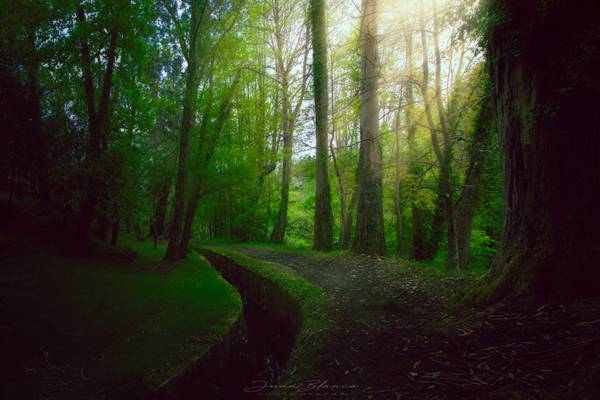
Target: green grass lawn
[{"x": 96, "y": 328}]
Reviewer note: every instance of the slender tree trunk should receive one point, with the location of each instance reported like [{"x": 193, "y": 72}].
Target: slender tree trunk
[
  {"x": 397, "y": 183},
  {"x": 369, "y": 237},
  {"x": 419, "y": 240},
  {"x": 453, "y": 260},
  {"x": 345, "y": 220},
  {"x": 40, "y": 149},
  {"x": 467, "y": 203},
  {"x": 116, "y": 225},
  {"x": 206, "y": 151},
  {"x": 346, "y": 241},
  {"x": 161, "y": 205},
  {"x": 546, "y": 94},
  {"x": 323, "y": 226},
  {"x": 187, "y": 120},
  {"x": 342, "y": 190},
  {"x": 442, "y": 150},
  {"x": 181, "y": 174},
  {"x": 265, "y": 159},
  {"x": 278, "y": 234},
  {"x": 190, "y": 213},
  {"x": 289, "y": 115},
  {"x": 432, "y": 244},
  {"x": 98, "y": 124},
  {"x": 102, "y": 222},
  {"x": 139, "y": 235}
]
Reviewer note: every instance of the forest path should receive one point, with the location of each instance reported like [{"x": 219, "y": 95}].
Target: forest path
[
  {"x": 385, "y": 318},
  {"x": 398, "y": 337}
]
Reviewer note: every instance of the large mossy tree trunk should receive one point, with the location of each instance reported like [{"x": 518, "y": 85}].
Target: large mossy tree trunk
[
  {"x": 323, "y": 227},
  {"x": 544, "y": 68},
  {"x": 369, "y": 236}
]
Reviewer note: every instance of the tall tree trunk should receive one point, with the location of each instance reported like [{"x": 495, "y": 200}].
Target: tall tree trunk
[
  {"x": 349, "y": 218},
  {"x": 397, "y": 188},
  {"x": 181, "y": 174},
  {"x": 546, "y": 92},
  {"x": 187, "y": 120},
  {"x": 161, "y": 205},
  {"x": 190, "y": 213},
  {"x": 266, "y": 160},
  {"x": 419, "y": 240},
  {"x": 443, "y": 149},
  {"x": 467, "y": 203},
  {"x": 323, "y": 226},
  {"x": 284, "y": 62},
  {"x": 98, "y": 124},
  {"x": 40, "y": 148},
  {"x": 438, "y": 220},
  {"x": 345, "y": 211},
  {"x": 369, "y": 237},
  {"x": 209, "y": 135},
  {"x": 343, "y": 195},
  {"x": 116, "y": 225},
  {"x": 278, "y": 234}
]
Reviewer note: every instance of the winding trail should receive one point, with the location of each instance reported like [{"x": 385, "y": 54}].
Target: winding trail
[
  {"x": 384, "y": 315},
  {"x": 397, "y": 337}
]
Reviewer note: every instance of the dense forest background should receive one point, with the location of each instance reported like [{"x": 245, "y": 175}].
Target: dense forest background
[{"x": 196, "y": 120}]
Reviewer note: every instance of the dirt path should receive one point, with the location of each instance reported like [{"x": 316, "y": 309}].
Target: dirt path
[{"x": 397, "y": 338}]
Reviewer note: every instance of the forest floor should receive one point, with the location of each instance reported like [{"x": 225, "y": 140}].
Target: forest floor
[{"x": 400, "y": 334}]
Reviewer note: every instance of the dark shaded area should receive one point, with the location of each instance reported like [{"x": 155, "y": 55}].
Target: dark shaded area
[
  {"x": 252, "y": 357},
  {"x": 543, "y": 60}
]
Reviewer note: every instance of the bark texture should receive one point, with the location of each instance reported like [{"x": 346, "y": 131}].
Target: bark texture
[
  {"x": 544, "y": 69},
  {"x": 323, "y": 227},
  {"x": 369, "y": 236}
]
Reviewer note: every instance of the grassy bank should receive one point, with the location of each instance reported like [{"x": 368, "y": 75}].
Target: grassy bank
[{"x": 103, "y": 328}]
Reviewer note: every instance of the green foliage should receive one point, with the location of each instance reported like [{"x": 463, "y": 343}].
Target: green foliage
[{"x": 241, "y": 176}]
